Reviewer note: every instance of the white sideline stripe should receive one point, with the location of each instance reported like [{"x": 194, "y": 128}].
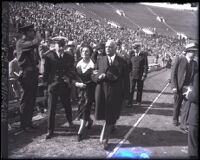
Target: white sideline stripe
[{"x": 133, "y": 127}]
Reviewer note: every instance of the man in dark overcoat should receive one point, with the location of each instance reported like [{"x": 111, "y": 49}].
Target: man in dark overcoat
[
  {"x": 193, "y": 118},
  {"x": 181, "y": 77},
  {"x": 28, "y": 60},
  {"x": 138, "y": 73},
  {"x": 58, "y": 75},
  {"x": 112, "y": 76}
]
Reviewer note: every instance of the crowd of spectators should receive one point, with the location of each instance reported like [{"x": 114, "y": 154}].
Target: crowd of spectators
[{"x": 52, "y": 20}]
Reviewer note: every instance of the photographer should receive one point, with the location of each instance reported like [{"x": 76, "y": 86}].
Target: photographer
[{"x": 28, "y": 59}]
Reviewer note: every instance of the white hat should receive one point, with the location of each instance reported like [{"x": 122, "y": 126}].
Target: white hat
[
  {"x": 191, "y": 47},
  {"x": 71, "y": 43}
]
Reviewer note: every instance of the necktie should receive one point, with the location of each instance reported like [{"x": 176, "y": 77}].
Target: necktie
[{"x": 110, "y": 61}]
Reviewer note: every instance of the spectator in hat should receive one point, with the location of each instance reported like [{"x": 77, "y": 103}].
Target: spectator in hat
[
  {"x": 192, "y": 96},
  {"x": 181, "y": 77},
  {"x": 28, "y": 60},
  {"x": 139, "y": 70},
  {"x": 112, "y": 76}
]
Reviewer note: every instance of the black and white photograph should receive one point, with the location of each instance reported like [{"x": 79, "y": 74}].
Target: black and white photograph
[{"x": 99, "y": 80}]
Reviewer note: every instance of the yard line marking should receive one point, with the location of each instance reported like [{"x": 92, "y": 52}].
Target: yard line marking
[{"x": 135, "y": 125}]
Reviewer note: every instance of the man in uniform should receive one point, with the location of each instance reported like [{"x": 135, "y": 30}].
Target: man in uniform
[
  {"x": 138, "y": 73},
  {"x": 58, "y": 74},
  {"x": 28, "y": 59}
]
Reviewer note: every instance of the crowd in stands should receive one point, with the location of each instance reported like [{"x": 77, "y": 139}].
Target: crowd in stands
[{"x": 53, "y": 20}]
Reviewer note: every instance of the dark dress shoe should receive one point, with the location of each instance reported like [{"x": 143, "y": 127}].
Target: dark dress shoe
[
  {"x": 70, "y": 125},
  {"x": 81, "y": 136},
  {"x": 49, "y": 135},
  {"x": 113, "y": 129},
  {"x": 175, "y": 123},
  {"x": 33, "y": 126},
  {"x": 90, "y": 123},
  {"x": 105, "y": 145}
]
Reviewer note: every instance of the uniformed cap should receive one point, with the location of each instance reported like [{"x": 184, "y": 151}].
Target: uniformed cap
[
  {"x": 137, "y": 44},
  {"x": 191, "y": 47},
  {"x": 26, "y": 28},
  {"x": 61, "y": 42}
]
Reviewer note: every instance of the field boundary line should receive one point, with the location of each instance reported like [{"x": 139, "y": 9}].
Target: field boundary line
[{"x": 135, "y": 125}]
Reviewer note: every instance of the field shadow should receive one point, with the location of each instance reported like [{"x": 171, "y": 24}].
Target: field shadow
[
  {"x": 17, "y": 141},
  {"x": 20, "y": 140},
  {"x": 157, "y": 138},
  {"x": 153, "y": 138}
]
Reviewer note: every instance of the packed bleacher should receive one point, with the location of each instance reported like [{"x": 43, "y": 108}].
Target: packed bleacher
[{"x": 52, "y": 20}]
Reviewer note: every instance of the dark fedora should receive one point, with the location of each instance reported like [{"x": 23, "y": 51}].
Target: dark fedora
[{"x": 26, "y": 28}]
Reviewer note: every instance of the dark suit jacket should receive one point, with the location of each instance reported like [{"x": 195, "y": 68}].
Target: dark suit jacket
[
  {"x": 110, "y": 95},
  {"x": 55, "y": 66},
  {"x": 178, "y": 72},
  {"x": 193, "y": 99},
  {"x": 139, "y": 65}
]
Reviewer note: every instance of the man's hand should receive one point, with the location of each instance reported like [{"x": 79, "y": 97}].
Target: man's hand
[
  {"x": 95, "y": 72},
  {"x": 174, "y": 90},
  {"x": 102, "y": 76},
  {"x": 187, "y": 92},
  {"x": 80, "y": 85},
  {"x": 143, "y": 78}
]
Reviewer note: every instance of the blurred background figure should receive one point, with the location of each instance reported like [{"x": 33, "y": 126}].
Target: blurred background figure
[
  {"x": 14, "y": 85},
  {"x": 139, "y": 70}
]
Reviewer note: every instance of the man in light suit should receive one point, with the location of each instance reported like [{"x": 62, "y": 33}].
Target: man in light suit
[
  {"x": 181, "y": 76},
  {"x": 112, "y": 76}
]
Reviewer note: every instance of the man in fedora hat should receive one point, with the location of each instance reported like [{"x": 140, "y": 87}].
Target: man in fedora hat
[
  {"x": 138, "y": 73},
  {"x": 28, "y": 60},
  {"x": 181, "y": 77}
]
